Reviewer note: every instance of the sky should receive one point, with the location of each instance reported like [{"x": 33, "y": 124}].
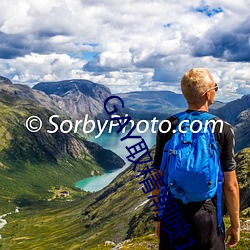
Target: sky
[{"x": 128, "y": 45}]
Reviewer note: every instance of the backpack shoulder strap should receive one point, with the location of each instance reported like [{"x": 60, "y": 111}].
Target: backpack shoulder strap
[
  {"x": 182, "y": 115},
  {"x": 208, "y": 116}
]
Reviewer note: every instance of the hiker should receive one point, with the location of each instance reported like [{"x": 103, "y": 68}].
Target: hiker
[{"x": 199, "y": 227}]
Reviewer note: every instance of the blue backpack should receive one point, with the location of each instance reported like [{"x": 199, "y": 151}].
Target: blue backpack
[{"x": 191, "y": 161}]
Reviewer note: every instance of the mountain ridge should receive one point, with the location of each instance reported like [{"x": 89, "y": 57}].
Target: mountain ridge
[
  {"x": 78, "y": 97},
  {"x": 77, "y": 100}
]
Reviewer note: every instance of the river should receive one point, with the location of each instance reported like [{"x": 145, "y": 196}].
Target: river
[
  {"x": 3, "y": 222},
  {"x": 112, "y": 141}
]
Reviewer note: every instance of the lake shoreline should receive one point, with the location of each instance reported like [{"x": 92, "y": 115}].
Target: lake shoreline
[{"x": 112, "y": 142}]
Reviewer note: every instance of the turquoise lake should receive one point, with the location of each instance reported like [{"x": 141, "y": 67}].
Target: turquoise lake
[{"x": 112, "y": 141}]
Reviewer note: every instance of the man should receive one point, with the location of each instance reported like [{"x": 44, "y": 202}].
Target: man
[{"x": 199, "y": 90}]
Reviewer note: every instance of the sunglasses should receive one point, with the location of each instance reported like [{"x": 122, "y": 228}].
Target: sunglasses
[{"x": 216, "y": 87}]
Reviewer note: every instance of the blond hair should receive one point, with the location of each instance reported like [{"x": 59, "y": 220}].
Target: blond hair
[{"x": 195, "y": 83}]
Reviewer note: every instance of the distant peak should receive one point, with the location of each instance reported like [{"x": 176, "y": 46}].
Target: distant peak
[
  {"x": 72, "y": 86},
  {"x": 4, "y": 80}
]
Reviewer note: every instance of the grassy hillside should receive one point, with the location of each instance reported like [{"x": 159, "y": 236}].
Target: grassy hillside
[
  {"x": 116, "y": 213},
  {"x": 54, "y": 225},
  {"x": 151, "y": 242},
  {"x": 82, "y": 223},
  {"x": 243, "y": 175}
]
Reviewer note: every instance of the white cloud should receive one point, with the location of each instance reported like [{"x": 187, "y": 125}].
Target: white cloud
[
  {"x": 117, "y": 81},
  {"x": 34, "y": 68},
  {"x": 16, "y": 18},
  {"x": 141, "y": 45}
]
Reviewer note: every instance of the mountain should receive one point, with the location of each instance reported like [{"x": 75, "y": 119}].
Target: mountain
[
  {"x": 216, "y": 105},
  {"x": 31, "y": 164},
  {"x": 159, "y": 104},
  {"x": 232, "y": 110},
  {"x": 152, "y": 103},
  {"x": 77, "y": 97},
  {"x": 80, "y": 97},
  {"x": 237, "y": 114}
]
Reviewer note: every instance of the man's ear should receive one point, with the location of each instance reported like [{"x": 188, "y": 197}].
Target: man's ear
[{"x": 207, "y": 95}]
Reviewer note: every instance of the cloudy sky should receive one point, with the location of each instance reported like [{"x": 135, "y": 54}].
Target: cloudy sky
[{"x": 127, "y": 45}]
